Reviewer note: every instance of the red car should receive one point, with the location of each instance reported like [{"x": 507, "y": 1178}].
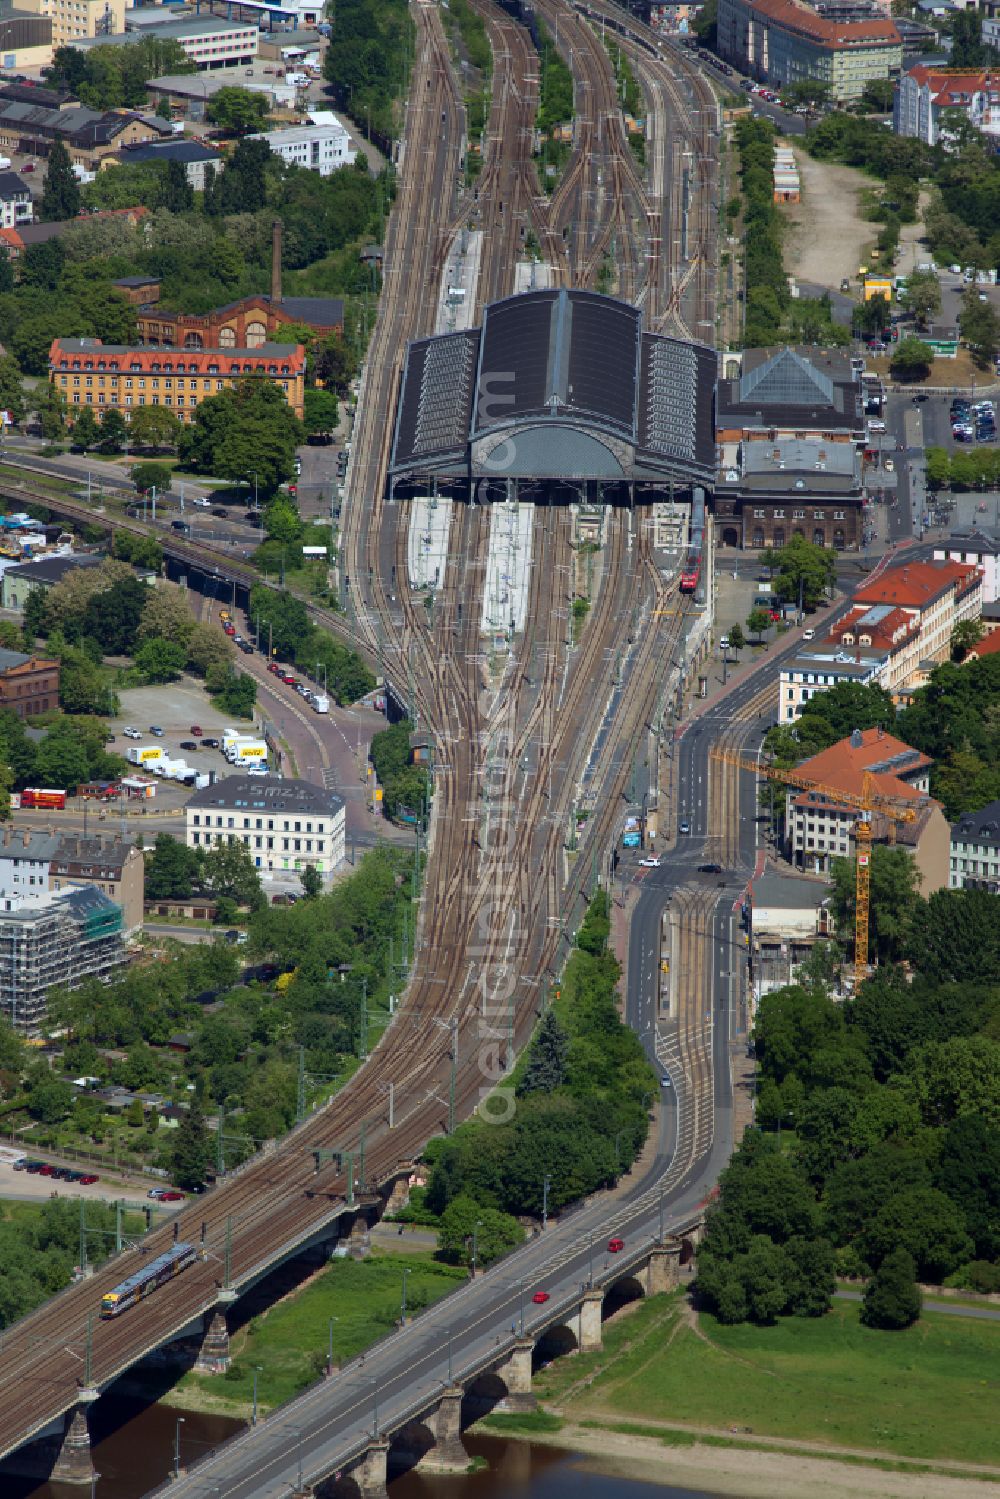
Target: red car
[
  {"x": 197, "y": 730},
  {"x": 171, "y": 1197},
  {"x": 615, "y": 1246},
  {"x": 230, "y": 630},
  {"x": 89, "y": 1179},
  {"x": 540, "y": 1298},
  {"x": 277, "y": 670},
  {"x": 46, "y": 1170}
]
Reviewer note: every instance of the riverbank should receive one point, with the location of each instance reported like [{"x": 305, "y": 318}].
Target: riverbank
[{"x": 711, "y": 1463}]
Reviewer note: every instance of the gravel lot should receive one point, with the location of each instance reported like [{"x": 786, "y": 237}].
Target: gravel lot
[
  {"x": 827, "y": 235},
  {"x": 21, "y": 1187}
]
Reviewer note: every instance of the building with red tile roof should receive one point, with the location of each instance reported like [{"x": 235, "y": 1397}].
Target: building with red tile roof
[
  {"x": 988, "y": 646},
  {"x": 936, "y": 596},
  {"x": 785, "y": 41},
  {"x": 925, "y": 92},
  {"x": 819, "y": 828}
]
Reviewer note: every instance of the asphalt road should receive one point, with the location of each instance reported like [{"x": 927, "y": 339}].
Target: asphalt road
[{"x": 979, "y": 1313}]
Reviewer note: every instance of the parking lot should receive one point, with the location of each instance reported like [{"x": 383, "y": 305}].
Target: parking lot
[
  {"x": 178, "y": 708},
  {"x": 21, "y": 1186}
]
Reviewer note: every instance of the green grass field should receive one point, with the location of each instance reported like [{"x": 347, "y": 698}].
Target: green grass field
[
  {"x": 290, "y": 1342},
  {"x": 928, "y": 1392}
]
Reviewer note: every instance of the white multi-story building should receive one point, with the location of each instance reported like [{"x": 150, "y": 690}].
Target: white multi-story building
[
  {"x": 286, "y": 825},
  {"x": 925, "y": 94},
  {"x": 975, "y": 851},
  {"x": 15, "y": 201},
  {"x": 322, "y": 146},
  {"x": 819, "y": 670},
  {"x": 210, "y": 42},
  {"x": 979, "y": 550}
]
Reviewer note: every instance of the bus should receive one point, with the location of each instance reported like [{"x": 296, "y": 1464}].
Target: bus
[{"x": 144, "y": 1282}]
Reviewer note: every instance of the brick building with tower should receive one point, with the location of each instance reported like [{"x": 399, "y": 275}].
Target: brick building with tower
[{"x": 244, "y": 324}]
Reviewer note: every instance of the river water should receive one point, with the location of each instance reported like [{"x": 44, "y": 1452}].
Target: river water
[{"x": 138, "y": 1454}]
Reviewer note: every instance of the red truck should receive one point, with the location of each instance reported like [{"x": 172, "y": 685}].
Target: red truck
[{"x": 38, "y": 796}]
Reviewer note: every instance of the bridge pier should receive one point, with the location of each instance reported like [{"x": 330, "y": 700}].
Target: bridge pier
[
  {"x": 590, "y": 1338},
  {"x": 448, "y": 1455},
  {"x": 662, "y": 1272},
  {"x": 74, "y": 1463},
  {"x": 515, "y": 1372},
  {"x": 213, "y": 1356},
  {"x": 370, "y": 1474}
]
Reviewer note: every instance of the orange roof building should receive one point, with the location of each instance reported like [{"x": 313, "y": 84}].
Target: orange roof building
[
  {"x": 935, "y": 597},
  {"x": 786, "y": 41},
  {"x": 925, "y": 92},
  {"x": 819, "y": 828}
]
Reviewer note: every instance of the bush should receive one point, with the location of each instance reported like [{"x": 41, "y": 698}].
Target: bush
[
  {"x": 892, "y": 1297},
  {"x": 978, "y": 1275}
]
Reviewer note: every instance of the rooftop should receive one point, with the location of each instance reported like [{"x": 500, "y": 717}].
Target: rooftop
[
  {"x": 868, "y": 752},
  {"x": 915, "y": 585},
  {"x": 988, "y": 646},
  {"x": 13, "y": 186},
  {"x": 788, "y": 892},
  {"x": 53, "y": 569},
  {"x": 73, "y": 850},
  {"x": 807, "y": 386},
  {"x": 261, "y": 794},
  {"x": 804, "y": 20},
  {"x": 979, "y": 827},
  {"x": 175, "y": 150}
]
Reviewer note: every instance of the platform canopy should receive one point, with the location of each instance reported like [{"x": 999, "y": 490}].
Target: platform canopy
[{"x": 557, "y": 386}]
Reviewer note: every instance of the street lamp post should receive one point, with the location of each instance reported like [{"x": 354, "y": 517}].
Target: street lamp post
[
  {"x": 177, "y": 1446},
  {"x": 546, "y": 1183},
  {"x": 256, "y": 1371},
  {"x": 329, "y": 1348},
  {"x": 475, "y": 1245},
  {"x": 402, "y": 1314},
  {"x": 521, "y": 1293}
]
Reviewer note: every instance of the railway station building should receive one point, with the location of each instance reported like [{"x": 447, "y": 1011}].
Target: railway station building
[
  {"x": 561, "y": 395},
  {"x": 790, "y": 433}
]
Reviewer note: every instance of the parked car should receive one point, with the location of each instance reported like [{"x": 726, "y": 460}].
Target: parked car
[
  {"x": 156, "y": 1193},
  {"x": 156, "y": 731},
  {"x": 202, "y": 503},
  {"x": 210, "y": 744},
  {"x": 131, "y": 733},
  {"x": 197, "y": 730},
  {"x": 89, "y": 1180},
  {"x": 222, "y": 514},
  {"x": 171, "y": 1196},
  {"x": 188, "y": 744},
  {"x": 809, "y": 634}
]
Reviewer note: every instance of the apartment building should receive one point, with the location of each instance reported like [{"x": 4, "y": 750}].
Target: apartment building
[
  {"x": 34, "y": 863},
  {"x": 90, "y": 373},
  {"x": 936, "y": 596},
  {"x": 208, "y": 41},
  {"x": 62, "y": 939},
  {"x": 979, "y": 549},
  {"x": 286, "y": 825},
  {"x": 810, "y": 672},
  {"x": 785, "y": 41},
  {"x": 975, "y": 851},
  {"x": 15, "y": 201},
  {"x": 75, "y": 20},
  {"x": 28, "y": 684},
  {"x": 322, "y": 146},
  {"x": 925, "y": 93},
  {"x": 819, "y": 828}
]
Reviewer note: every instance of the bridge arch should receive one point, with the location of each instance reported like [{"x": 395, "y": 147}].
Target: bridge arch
[
  {"x": 345, "y": 1487},
  {"x": 621, "y": 1293},
  {"x": 555, "y": 1342},
  {"x": 408, "y": 1446},
  {"x": 483, "y": 1395}
]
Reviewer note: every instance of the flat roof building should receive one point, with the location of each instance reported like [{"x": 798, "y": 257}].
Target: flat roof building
[
  {"x": 785, "y": 42},
  {"x": 321, "y": 148},
  {"x": 210, "y": 42}
]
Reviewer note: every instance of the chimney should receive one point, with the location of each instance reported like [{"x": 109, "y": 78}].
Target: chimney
[
  {"x": 276, "y": 261},
  {"x": 26, "y": 837}
]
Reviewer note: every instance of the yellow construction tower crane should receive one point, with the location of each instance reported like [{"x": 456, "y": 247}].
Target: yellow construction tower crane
[{"x": 893, "y": 808}]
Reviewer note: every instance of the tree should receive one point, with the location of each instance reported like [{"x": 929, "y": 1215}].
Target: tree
[
  {"x": 114, "y": 431},
  {"x": 845, "y": 707},
  {"x": 149, "y": 476},
  {"x": 924, "y": 1222},
  {"x": 207, "y": 648},
  {"x": 177, "y": 194},
  {"x": 229, "y": 870},
  {"x": 248, "y": 432},
  {"x": 172, "y": 869},
  {"x": 546, "y": 1068},
  {"x": 167, "y": 616},
  {"x": 893, "y": 898},
  {"x": 234, "y": 692},
  {"x": 61, "y": 191},
  {"x": 966, "y": 634},
  {"x": 955, "y": 937},
  {"x": 923, "y": 291},
  {"x": 161, "y": 660},
  {"x": 892, "y": 1297},
  {"x": 495, "y": 1233},
  {"x": 112, "y": 616},
  {"x": 911, "y": 359},
  {"x": 85, "y": 430},
  {"x": 11, "y": 388},
  {"x": 50, "y": 1099},
  {"x": 50, "y": 409},
  {"x": 878, "y": 95},
  {"x": 321, "y": 411},
  {"x": 811, "y": 1281},
  {"x": 238, "y": 111},
  {"x": 192, "y": 1152},
  {"x": 955, "y": 1077},
  {"x": 282, "y": 521},
  {"x": 154, "y": 427},
  {"x": 312, "y": 882},
  {"x": 804, "y": 571},
  {"x": 980, "y": 327},
  {"x": 61, "y": 762},
  {"x": 737, "y": 640},
  {"x": 758, "y": 620},
  {"x": 968, "y": 1172}
]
